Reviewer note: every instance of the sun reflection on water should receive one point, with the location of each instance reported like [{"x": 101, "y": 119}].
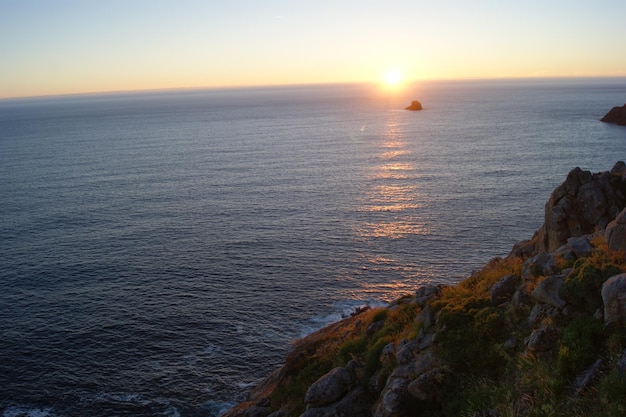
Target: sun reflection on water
[
  {"x": 394, "y": 189},
  {"x": 390, "y": 209}
]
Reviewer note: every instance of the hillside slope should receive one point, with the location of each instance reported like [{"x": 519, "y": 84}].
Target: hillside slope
[{"x": 538, "y": 333}]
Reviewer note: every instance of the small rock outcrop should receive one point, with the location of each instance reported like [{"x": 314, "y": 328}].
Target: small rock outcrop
[
  {"x": 329, "y": 388},
  {"x": 616, "y": 115},
  {"x": 415, "y": 105},
  {"x": 503, "y": 290},
  {"x": 583, "y": 203},
  {"x": 614, "y": 299},
  {"x": 615, "y": 233}
]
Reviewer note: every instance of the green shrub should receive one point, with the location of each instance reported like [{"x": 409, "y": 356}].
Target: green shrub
[
  {"x": 372, "y": 357},
  {"x": 583, "y": 339},
  {"x": 352, "y": 348},
  {"x": 380, "y": 315},
  {"x": 582, "y": 286},
  {"x": 471, "y": 340}
]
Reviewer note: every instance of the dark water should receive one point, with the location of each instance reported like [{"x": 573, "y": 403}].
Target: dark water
[{"x": 159, "y": 251}]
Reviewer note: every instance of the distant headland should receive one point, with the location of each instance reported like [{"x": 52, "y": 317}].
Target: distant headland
[{"x": 616, "y": 115}]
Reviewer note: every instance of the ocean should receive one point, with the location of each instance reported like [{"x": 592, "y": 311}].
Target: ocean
[{"x": 160, "y": 251}]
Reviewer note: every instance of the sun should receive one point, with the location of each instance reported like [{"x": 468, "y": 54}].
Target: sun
[{"x": 393, "y": 79}]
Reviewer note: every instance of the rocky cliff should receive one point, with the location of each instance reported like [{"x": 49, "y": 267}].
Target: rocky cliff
[{"x": 541, "y": 332}]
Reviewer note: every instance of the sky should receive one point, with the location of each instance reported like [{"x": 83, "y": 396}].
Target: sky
[{"x": 50, "y": 47}]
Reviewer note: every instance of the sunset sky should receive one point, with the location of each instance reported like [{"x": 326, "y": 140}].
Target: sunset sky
[{"x": 74, "y": 46}]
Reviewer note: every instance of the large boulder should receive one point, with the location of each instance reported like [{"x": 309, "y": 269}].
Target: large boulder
[
  {"x": 392, "y": 399},
  {"x": 583, "y": 203},
  {"x": 543, "y": 339},
  {"x": 503, "y": 290},
  {"x": 329, "y": 388},
  {"x": 615, "y": 233},
  {"x": 616, "y": 115},
  {"x": 547, "y": 291},
  {"x": 614, "y": 298},
  {"x": 355, "y": 403}
]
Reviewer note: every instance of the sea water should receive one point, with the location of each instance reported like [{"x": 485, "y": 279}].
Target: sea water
[{"x": 159, "y": 251}]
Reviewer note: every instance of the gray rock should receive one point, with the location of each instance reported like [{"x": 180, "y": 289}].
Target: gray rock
[
  {"x": 428, "y": 386},
  {"x": 621, "y": 364},
  {"x": 407, "y": 352},
  {"x": 426, "y": 317},
  {"x": 391, "y": 402},
  {"x": 547, "y": 291},
  {"x": 584, "y": 380},
  {"x": 580, "y": 245},
  {"x": 427, "y": 293},
  {"x": 424, "y": 362},
  {"x": 615, "y": 233},
  {"x": 538, "y": 265},
  {"x": 542, "y": 340},
  {"x": 510, "y": 345},
  {"x": 614, "y": 298},
  {"x": 581, "y": 204},
  {"x": 355, "y": 403},
  {"x": 329, "y": 388},
  {"x": 541, "y": 312},
  {"x": 388, "y": 352},
  {"x": 503, "y": 290},
  {"x": 576, "y": 247}
]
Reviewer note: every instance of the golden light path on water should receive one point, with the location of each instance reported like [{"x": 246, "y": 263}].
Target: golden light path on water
[{"x": 394, "y": 199}]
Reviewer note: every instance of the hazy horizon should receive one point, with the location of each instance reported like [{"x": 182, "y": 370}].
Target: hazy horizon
[{"x": 71, "y": 47}]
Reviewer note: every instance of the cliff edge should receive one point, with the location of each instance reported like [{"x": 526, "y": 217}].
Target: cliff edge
[{"x": 541, "y": 332}]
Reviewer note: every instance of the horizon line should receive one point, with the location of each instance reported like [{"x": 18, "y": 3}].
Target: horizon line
[{"x": 302, "y": 84}]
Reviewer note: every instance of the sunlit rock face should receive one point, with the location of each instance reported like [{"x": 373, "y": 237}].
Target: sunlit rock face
[
  {"x": 616, "y": 115},
  {"x": 582, "y": 204}
]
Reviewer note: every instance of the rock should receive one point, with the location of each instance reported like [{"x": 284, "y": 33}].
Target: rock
[
  {"x": 576, "y": 247},
  {"x": 391, "y": 402},
  {"x": 427, "y": 293},
  {"x": 407, "y": 352},
  {"x": 616, "y": 115},
  {"x": 426, "y": 317},
  {"x": 388, "y": 353},
  {"x": 424, "y": 362},
  {"x": 621, "y": 364},
  {"x": 542, "y": 340},
  {"x": 541, "y": 312},
  {"x": 614, "y": 299},
  {"x": 539, "y": 265},
  {"x": 615, "y": 233},
  {"x": 354, "y": 404},
  {"x": 523, "y": 249},
  {"x": 415, "y": 105},
  {"x": 547, "y": 291},
  {"x": 584, "y": 380},
  {"x": 428, "y": 386},
  {"x": 581, "y": 204},
  {"x": 329, "y": 388},
  {"x": 510, "y": 345},
  {"x": 503, "y": 290}
]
